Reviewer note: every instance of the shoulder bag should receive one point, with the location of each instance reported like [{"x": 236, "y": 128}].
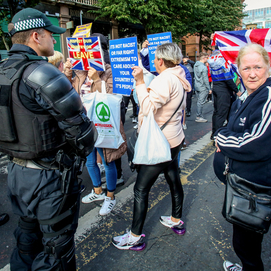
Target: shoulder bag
[{"x": 246, "y": 203}]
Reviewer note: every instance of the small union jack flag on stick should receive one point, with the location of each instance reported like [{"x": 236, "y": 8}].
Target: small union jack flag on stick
[{"x": 85, "y": 53}]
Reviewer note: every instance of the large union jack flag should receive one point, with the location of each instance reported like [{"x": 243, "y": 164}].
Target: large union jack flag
[
  {"x": 85, "y": 53},
  {"x": 230, "y": 42}
]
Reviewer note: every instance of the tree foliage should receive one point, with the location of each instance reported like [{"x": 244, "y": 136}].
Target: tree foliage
[
  {"x": 154, "y": 15},
  {"x": 215, "y": 15},
  {"x": 8, "y": 9},
  {"x": 180, "y": 17}
]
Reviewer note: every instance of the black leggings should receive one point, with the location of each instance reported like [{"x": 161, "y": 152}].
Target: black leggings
[{"x": 147, "y": 175}]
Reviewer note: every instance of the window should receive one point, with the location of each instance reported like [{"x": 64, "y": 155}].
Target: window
[
  {"x": 258, "y": 12},
  {"x": 260, "y": 25},
  {"x": 268, "y": 24}
]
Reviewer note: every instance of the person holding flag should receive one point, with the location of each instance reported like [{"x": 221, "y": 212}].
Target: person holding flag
[{"x": 223, "y": 88}]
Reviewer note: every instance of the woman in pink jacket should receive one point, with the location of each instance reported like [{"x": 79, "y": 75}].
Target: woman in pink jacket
[{"x": 163, "y": 96}]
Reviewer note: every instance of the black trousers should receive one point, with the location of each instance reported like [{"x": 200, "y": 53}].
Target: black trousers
[
  {"x": 147, "y": 175},
  {"x": 189, "y": 101},
  {"x": 126, "y": 102},
  {"x": 222, "y": 105},
  {"x": 248, "y": 247},
  {"x": 36, "y": 197}
]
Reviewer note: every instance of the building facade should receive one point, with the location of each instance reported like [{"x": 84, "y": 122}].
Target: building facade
[{"x": 257, "y": 18}]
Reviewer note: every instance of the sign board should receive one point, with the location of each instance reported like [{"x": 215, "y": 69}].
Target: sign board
[
  {"x": 155, "y": 40},
  {"x": 85, "y": 53},
  {"x": 123, "y": 56},
  {"x": 82, "y": 31}
]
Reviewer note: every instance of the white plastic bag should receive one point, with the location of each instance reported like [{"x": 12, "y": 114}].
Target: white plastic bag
[
  {"x": 104, "y": 110},
  {"x": 151, "y": 146}
]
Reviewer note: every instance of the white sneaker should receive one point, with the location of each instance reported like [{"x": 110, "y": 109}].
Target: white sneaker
[
  {"x": 134, "y": 120},
  {"x": 128, "y": 241},
  {"x": 229, "y": 266},
  {"x": 120, "y": 181},
  {"x": 184, "y": 126},
  {"x": 93, "y": 197},
  {"x": 177, "y": 227},
  {"x": 166, "y": 221},
  {"x": 108, "y": 205},
  {"x": 200, "y": 119},
  {"x": 136, "y": 126}
]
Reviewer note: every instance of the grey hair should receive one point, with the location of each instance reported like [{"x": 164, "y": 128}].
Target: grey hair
[{"x": 170, "y": 52}]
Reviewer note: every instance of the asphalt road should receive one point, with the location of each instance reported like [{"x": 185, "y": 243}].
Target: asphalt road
[{"x": 194, "y": 132}]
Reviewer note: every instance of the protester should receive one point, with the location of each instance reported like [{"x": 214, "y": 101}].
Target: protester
[
  {"x": 202, "y": 87},
  {"x": 144, "y": 54},
  {"x": 246, "y": 141},
  {"x": 88, "y": 82},
  {"x": 210, "y": 94},
  {"x": 223, "y": 89},
  {"x": 189, "y": 64},
  {"x": 57, "y": 60},
  {"x": 126, "y": 100},
  {"x": 52, "y": 133},
  {"x": 4, "y": 218},
  {"x": 148, "y": 77},
  {"x": 163, "y": 96}
]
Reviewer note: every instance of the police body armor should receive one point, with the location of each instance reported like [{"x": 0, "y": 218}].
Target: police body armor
[{"x": 29, "y": 135}]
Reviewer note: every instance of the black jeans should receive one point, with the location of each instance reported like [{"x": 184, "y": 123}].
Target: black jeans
[
  {"x": 147, "y": 175},
  {"x": 248, "y": 247},
  {"x": 126, "y": 102},
  {"x": 189, "y": 101}
]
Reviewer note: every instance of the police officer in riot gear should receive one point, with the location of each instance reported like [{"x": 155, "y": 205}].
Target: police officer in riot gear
[{"x": 46, "y": 133}]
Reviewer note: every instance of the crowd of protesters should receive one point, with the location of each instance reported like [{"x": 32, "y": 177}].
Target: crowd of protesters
[{"x": 167, "y": 93}]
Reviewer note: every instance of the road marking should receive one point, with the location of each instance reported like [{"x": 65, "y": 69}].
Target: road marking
[{"x": 91, "y": 226}]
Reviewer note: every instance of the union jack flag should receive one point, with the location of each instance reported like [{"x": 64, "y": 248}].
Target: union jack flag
[
  {"x": 85, "y": 53},
  {"x": 230, "y": 42}
]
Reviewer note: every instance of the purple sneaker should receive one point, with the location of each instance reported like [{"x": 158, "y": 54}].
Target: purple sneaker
[
  {"x": 128, "y": 241},
  {"x": 177, "y": 227}
]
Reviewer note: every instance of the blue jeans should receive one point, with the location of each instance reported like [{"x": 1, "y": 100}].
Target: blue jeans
[{"x": 94, "y": 171}]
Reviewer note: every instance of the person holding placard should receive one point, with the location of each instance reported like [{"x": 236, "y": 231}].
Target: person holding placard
[
  {"x": 87, "y": 82},
  {"x": 165, "y": 97}
]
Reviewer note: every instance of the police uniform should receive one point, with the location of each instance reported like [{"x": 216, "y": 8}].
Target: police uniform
[{"x": 47, "y": 136}]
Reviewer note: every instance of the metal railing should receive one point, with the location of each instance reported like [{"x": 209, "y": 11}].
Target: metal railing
[{"x": 85, "y": 2}]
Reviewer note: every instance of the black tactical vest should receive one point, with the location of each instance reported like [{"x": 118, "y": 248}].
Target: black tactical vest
[{"x": 24, "y": 134}]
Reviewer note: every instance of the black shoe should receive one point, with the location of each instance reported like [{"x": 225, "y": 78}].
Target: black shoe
[
  {"x": 188, "y": 113},
  {"x": 132, "y": 116},
  {"x": 4, "y": 218}
]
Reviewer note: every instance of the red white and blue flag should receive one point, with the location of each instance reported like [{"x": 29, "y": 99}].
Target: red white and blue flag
[
  {"x": 230, "y": 42},
  {"x": 85, "y": 53}
]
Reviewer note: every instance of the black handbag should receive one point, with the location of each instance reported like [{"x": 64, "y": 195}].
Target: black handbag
[
  {"x": 247, "y": 204},
  {"x": 131, "y": 142}
]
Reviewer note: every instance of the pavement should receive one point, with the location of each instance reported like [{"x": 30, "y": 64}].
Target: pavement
[{"x": 204, "y": 246}]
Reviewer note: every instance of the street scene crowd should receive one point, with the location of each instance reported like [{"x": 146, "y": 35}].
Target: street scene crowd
[{"x": 49, "y": 138}]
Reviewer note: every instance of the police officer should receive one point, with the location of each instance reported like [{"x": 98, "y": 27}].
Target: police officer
[{"x": 47, "y": 135}]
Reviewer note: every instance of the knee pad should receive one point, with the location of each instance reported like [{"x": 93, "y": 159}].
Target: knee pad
[
  {"x": 28, "y": 236},
  {"x": 63, "y": 249}
]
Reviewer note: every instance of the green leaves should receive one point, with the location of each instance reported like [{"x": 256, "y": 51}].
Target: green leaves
[{"x": 181, "y": 17}]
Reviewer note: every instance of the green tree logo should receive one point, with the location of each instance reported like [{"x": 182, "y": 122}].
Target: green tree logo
[{"x": 102, "y": 112}]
